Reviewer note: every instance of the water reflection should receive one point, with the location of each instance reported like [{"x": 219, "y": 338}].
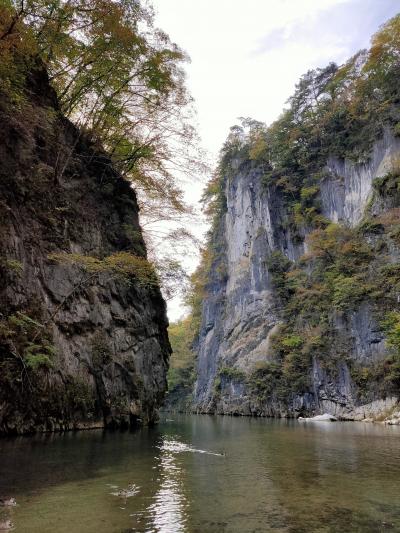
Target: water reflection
[
  {"x": 274, "y": 476},
  {"x": 168, "y": 512}
]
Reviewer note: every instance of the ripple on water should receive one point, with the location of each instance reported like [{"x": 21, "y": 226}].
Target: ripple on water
[{"x": 175, "y": 446}]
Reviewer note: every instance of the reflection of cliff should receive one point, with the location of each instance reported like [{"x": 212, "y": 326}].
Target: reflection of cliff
[
  {"x": 240, "y": 494},
  {"x": 273, "y": 475},
  {"x": 317, "y": 478},
  {"x": 287, "y": 476}
]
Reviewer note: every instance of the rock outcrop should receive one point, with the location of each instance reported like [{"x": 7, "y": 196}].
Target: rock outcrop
[
  {"x": 242, "y": 310},
  {"x": 95, "y": 344}
]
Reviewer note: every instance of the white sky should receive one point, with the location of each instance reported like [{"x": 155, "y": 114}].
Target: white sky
[{"x": 246, "y": 56}]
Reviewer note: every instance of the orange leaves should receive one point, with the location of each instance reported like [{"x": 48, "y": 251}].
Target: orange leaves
[
  {"x": 389, "y": 218},
  {"x": 385, "y": 49},
  {"x": 339, "y": 245}
]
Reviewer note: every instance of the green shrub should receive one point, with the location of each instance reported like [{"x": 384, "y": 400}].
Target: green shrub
[
  {"x": 14, "y": 266},
  {"x": 231, "y": 373},
  {"x": 264, "y": 381},
  {"x": 217, "y": 386},
  {"x": 393, "y": 371},
  {"x": 181, "y": 373},
  {"x": 79, "y": 395},
  {"x": 348, "y": 291},
  {"x": 122, "y": 265},
  {"x": 308, "y": 193},
  {"x": 31, "y": 340},
  {"x": 292, "y": 341},
  {"x": 278, "y": 265},
  {"x": 371, "y": 226},
  {"x": 390, "y": 183},
  {"x": 391, "y": 327},
  {"x": 38, "y": 360},
  {"x": 296, "y": 371}
]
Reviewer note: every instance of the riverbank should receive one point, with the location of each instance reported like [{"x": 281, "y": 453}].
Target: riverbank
[{"x": 385, "y": 411}]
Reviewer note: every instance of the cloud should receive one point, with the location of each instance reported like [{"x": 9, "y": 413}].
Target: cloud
[
  {"x": 276, "y": 38},
  {"x": 348, "y": 25}
]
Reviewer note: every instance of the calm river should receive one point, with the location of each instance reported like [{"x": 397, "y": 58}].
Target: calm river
[{"x": 203, "y": 474}]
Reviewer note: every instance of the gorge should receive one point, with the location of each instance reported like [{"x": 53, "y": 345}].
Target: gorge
[
  {"x": 290, "y": 324},
  {"x": 243, "y": 311}
]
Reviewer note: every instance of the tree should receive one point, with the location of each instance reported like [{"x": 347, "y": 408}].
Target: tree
[
  {"x": 120, "y": 80},
  {"x": 311, "y": 89}
]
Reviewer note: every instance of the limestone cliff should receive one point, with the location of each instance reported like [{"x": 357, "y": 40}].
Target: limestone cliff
[
  {"x": 243, "y": 309},
  {"x": 78, "y": 348},
  {"x": 300, "y": 285}
]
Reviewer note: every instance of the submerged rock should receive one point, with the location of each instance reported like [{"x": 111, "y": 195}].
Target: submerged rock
[
  {"x": 130, "y": 491},
  {"x": 393, "y": 422},
  {"x": 393, "y": 419}
]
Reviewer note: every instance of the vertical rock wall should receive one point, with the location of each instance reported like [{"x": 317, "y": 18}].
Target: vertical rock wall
[
  {"x": 60, "y": 194},
  {"x": 241, "y": 310}
]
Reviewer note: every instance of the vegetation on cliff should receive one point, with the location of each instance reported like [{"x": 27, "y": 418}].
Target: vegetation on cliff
[
  {"x": 116, "y": 76},
  {"x": 181, "y": 373}
]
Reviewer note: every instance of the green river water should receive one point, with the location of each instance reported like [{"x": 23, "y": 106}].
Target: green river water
[{"x": 200, "y": 474}]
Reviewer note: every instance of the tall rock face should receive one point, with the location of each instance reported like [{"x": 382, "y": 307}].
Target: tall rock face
[
  {"x": 79, "y": 347},
  {"x": 243, "y": 309},
  {"x": 348, "y": 188},
  {"x": 240, "y": 311}
]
